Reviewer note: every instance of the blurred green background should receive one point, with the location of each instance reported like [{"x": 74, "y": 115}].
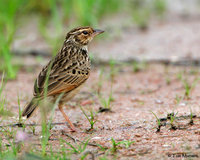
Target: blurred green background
[{"x": 14, "y": 14}]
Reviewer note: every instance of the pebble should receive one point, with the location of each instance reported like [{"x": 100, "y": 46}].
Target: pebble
[
  {"x": 158, "y": 101},
  {"x": 96, "y": 138}
]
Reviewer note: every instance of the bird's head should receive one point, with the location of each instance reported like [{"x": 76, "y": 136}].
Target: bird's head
[{"x": 82, "y": 35}]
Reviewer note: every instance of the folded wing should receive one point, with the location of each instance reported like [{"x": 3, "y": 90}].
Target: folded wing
[{"x": 64, "y": 76}]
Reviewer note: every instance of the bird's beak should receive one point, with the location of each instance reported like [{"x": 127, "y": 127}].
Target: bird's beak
[{"x": 97, "y": 32}]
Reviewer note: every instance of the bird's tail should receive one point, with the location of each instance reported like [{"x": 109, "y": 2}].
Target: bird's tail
[{"x": 29, "y": 109}]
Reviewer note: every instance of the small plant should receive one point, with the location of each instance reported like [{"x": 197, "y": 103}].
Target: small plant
[
  {"x": 168, "y": 80},
  {"x": 178, "y": 99},
  {"x": 20, "y": 111},
  {"x": 172, "y": 117},
  {"x": 188, "y": 87},
  {"x": 2, "y": 100},
  {"x": 141, "y": 13},
  {"x": 180, "y": 75},
  {"x": 159, "y": 7},
  {"x": 158, "y": 122},
  {"x": 116, "y": 144},
  {"x": 62, "y": 150},
  {"x": 15, "y": 147},
  {"x": 191, "y": 117},
  {"x": 113, "y": 69},
  {"x": 10, "y": 149},
  {"x": 77, "y": 148},
  {"x": 91, "y": 118},
  {"x": 127, "y": 144},
  {"x": 138, "y": 66},
  {"x": 106, "y": 102},
  {"x": 104, "y": 158},
  {"x": 45, "y": 137},
  {"x": 3, "y": 110},
  {"x": 43, "y": 109},
  {"x": 33, "y": 129}
]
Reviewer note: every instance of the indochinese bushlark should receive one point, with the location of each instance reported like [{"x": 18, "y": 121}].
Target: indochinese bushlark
[{"x": 65, "y": 73}]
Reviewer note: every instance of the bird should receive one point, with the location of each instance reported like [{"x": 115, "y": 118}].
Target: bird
[{"x": 65, "y": 73}]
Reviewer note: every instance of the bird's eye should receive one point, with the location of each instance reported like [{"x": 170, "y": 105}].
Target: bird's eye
[{"x": 85, "y": 32}]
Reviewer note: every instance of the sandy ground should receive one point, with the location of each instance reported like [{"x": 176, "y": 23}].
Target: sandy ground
[{"x": 156, "y": 88}]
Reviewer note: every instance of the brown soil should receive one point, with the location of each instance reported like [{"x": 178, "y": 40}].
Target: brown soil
[{"x": 157, "y": 89}]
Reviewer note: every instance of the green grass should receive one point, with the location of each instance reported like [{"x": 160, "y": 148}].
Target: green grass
[
  {"x": 113, "y": 70},
  {"x": 106, "y": 101},
  {"x": 178, "y": 99},
  {"x": 168, "y": 80},
  {"x": 20, "y": 111},
  {"x": 158, "y": 122},
  {"x": 8, "y": 16},
  {"x": 189, "y": 86},
  {"x": 91, "y": 118},
  {"x": 143, "y": 10},
  {"x": 159, "y": 7},
  {"x": 141, "y": 14},
  {"x": 10, "y": 149},
  {"x": 115, "y": 145},
  {"x": 77, "y": 148},
  {"x": 4, "y": 112},
  {"x": 139, "y": 66},
  {"x": 172, "y": 117}
]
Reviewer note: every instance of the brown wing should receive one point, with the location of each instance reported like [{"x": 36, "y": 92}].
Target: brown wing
[{"x": 65, "y": 75}]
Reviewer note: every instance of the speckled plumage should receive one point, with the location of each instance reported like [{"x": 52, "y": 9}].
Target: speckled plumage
[{"x": 66, "y": 72}]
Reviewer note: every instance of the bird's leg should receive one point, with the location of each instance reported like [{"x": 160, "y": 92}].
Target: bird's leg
[{"x": 60, "y": 106}]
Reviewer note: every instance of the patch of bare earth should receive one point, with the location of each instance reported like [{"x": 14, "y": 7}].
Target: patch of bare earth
[{"x": 156, "y": 89}]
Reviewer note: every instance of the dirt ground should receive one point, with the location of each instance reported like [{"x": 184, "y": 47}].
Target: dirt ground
[{"x": 156, "y": 88}]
